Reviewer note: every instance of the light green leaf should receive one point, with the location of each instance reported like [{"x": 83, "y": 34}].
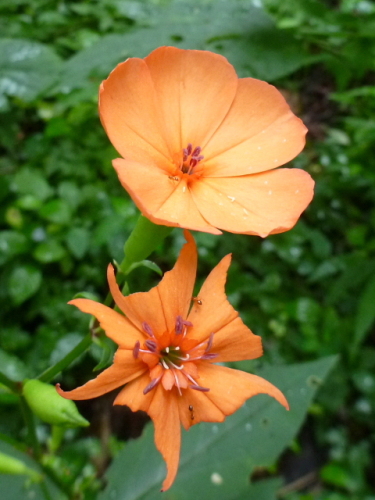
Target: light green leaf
[
  {"x": 49, "y": 251},
  {"x": 11, "y": 243},
  {"x": 78, "y": 241},
  {"x": 24, "y": 282},
  {"x": 27, "y": 69},
  {"x": 12, "y": 366},
  {"x": 217, "y": 459},
  {"x": 29, "y": 181}
]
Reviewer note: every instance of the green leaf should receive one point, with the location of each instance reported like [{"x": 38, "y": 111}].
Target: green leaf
[
  {"x": 31, "y": 182},
  {"x": 243, "y": 33},
  {"x": 57, "y": 211},
  {"x": 148, "y": 264},
  {"x": 27, "y": 69},
  {"x": 49, "y": 251},
  {"x": 78, "y": 241},
  {"x": 24, "y": 282},
  {"x": 17, "y": 487},
  {"x": 366, "y": 312},
  {"x": 11, "y": 243},
  {"x": 12, "y": 367},
  {"x": 216, "y": 459}
]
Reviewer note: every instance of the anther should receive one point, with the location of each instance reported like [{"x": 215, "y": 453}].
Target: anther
[
  {"x": 209, "y": 355},
  {"x": 199, "y": 388},
  {"x": 136, "y": 348},
  {"x": 210, "y": 341},
  {"x": 152, "y": 345},
  {"x": 151, "y": 385},
  {"x": 147, "y": 329}
]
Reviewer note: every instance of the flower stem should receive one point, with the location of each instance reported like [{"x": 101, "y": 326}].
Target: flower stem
[
  {"x": 143, "y": 240},
  {"x": 30, "y": 423},
  {"x": 79, "y": 349},
  {"x": 13, "y": 386}
]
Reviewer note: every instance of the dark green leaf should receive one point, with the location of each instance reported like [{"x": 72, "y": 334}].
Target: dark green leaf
[
  {"x": 216, "y": 459},
  {"x": 366, "y": 312},
  {"x": 24, "y": 282}
]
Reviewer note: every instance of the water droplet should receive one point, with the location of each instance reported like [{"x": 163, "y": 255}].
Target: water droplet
[
  {"x": 216, "y": 478},
  {"x": 248, "y": 427}
]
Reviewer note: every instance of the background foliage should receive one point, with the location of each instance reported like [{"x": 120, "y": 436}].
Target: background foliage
[{"x": 310, "y": 292}]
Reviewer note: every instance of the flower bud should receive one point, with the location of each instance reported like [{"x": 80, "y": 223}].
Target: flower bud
[
  {"x": 11, "y": 465},
  {"x": 46, "y": 403}
]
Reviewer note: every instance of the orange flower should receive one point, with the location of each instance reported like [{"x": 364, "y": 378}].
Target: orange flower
[
  {"x": 167, "y": 350},
  {"x": 200, "y": 146}
]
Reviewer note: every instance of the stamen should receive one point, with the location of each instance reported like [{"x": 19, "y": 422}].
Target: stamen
[
  {"x": 167, "y": 350},
  {"x": 181, "y": 367},
  {"x": 210, "y": 355},
  {"x": 199, "y": 388},
  {"x": 177, "y": 383},
  {"x": 164, "y": 364},
  {"x": 189, "y": 149},
  {"x": 196, "y": 151},
  {"x": 152, "y": 345},
  {"x": 136, "y": 348},
  {"x": 151, "y": 385},
  {"x": 210, "y": 341},
  {"x": 180, "y": 323},
  {"x": 147, "y": 329}
]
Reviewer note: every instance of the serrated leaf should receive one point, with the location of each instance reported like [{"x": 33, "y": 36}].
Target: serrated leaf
[
  {"x": 27, "y": 69},
  {"x": 24, "y": 282},
  {"x": 254, "y": 436}
]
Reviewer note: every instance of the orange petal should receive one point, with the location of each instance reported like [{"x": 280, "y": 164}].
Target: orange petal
[
  {"x": 229, "y": 389},
  {"x": 195, "y": 90},
  {"x": 203, "y": 409},
  {"x": 124, "y": 369},
  {"x": 164, "y": 412},
  {"x": 215, "y": 311},
  {"x": 138, "y": 307},
  {"x": 160, "y": 198},
  {"x": 266, "y": 203},
  {"x": 116, "y": 327},
  {"x": 176, "y": 287},
  {"x": 130, "y": 114},
  {"x": 259, "y": 133},
  {"x": 162, "y": 304},
  {"x": 235, "y": 342},
  {"x": 132, "y": 395}
]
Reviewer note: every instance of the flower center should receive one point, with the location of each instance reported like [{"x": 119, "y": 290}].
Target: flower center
[
  {"x": 190, "y": 159},
  {"x": 172, "y": 357}
]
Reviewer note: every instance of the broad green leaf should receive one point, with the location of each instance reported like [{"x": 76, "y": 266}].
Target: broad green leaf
[
  {"x": 366, "y": 312},
  {"x": 11, "y": 243},
  {"x": 24, "y": 282},
  {"x": 237, "y": 29},
  {"x": 20, "y": 487},
  {"x": 27, "y": 69},
  {"x": 57, "y": 211},
  {"x": 12, "y": 366},
  {"x": 217, "y": 459},
  {"x": 32, "y": 182},
  {"x": 49, "y": 251},
  {"x": 78, "y": 241}
]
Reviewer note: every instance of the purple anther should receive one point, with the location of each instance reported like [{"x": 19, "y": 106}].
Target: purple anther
[
  {"x": 179, "y": 328},
  {"x": 147, "y": 329},
  {"x": 196, "y": 152},
  {"x": 136, "y": 348},
  {"x": 199, "y": 388},
  {"x": 185, "y": 154},
  {"x": 193, "y": 162},
  {"x": 210, "y": 342},
  {"x": 209, "y": 355},
  {"x": 189, "y": 149},
  {"x": 152, "y": 345},
  {"x": 199, "y": 158},
  {"x": 151, "y": 385}
]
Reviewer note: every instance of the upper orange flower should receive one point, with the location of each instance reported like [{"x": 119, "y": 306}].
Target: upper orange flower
[
  {"x": 200, "y": 145},
  {"x": 167, "y": 350}
]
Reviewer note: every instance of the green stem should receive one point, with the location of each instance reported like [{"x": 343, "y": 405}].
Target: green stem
[
  {"x": 13, "y": 386},
  {"x": 79, "y": 349},
  {"x": 30, "y": 423},
  {"x": 143, "y": 240}
]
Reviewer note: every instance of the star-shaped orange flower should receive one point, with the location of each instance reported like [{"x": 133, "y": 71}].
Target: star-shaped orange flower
[
  {"x": 200, "y": 146},
  {"x": 168, "y": 349}
]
